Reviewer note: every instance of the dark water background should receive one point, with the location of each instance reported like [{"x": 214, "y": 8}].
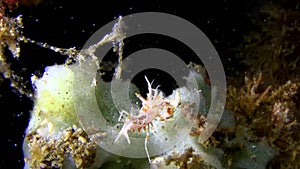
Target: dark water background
[{"x": 68, "y": 23}]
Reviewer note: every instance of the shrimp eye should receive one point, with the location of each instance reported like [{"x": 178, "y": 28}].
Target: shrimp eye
[
  {"x": 146, "y": 108},
  {"x": 170, "y": 110}
]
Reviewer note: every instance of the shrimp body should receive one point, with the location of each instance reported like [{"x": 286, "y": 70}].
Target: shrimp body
[
  {"x": 152, "y": 108},
  {"x": 133, "y": 124}
]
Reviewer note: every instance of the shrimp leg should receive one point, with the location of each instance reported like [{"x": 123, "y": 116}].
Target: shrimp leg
[{"x": 146, "y": 149}]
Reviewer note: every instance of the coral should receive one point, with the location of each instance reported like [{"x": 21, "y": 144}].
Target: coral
[
  {"x": 248, "y": 98},
  {"x": 266, "y": 106},
  {"x": 53, "y": 101},
  {"x": 10, "y": 36},
  {"x": 269, "y": 114},
  {"x": 51, "y": 153},
  {"x": 274, "y": 48},
  {"x": 199, "y": 122},
  {"x": 10, "y": 31},
  {"x": 187, "y": 160},
  {"x": 54, "y": 113}
]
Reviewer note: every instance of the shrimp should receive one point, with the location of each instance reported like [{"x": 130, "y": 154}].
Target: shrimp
[{"x": 152, "y": 108}]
